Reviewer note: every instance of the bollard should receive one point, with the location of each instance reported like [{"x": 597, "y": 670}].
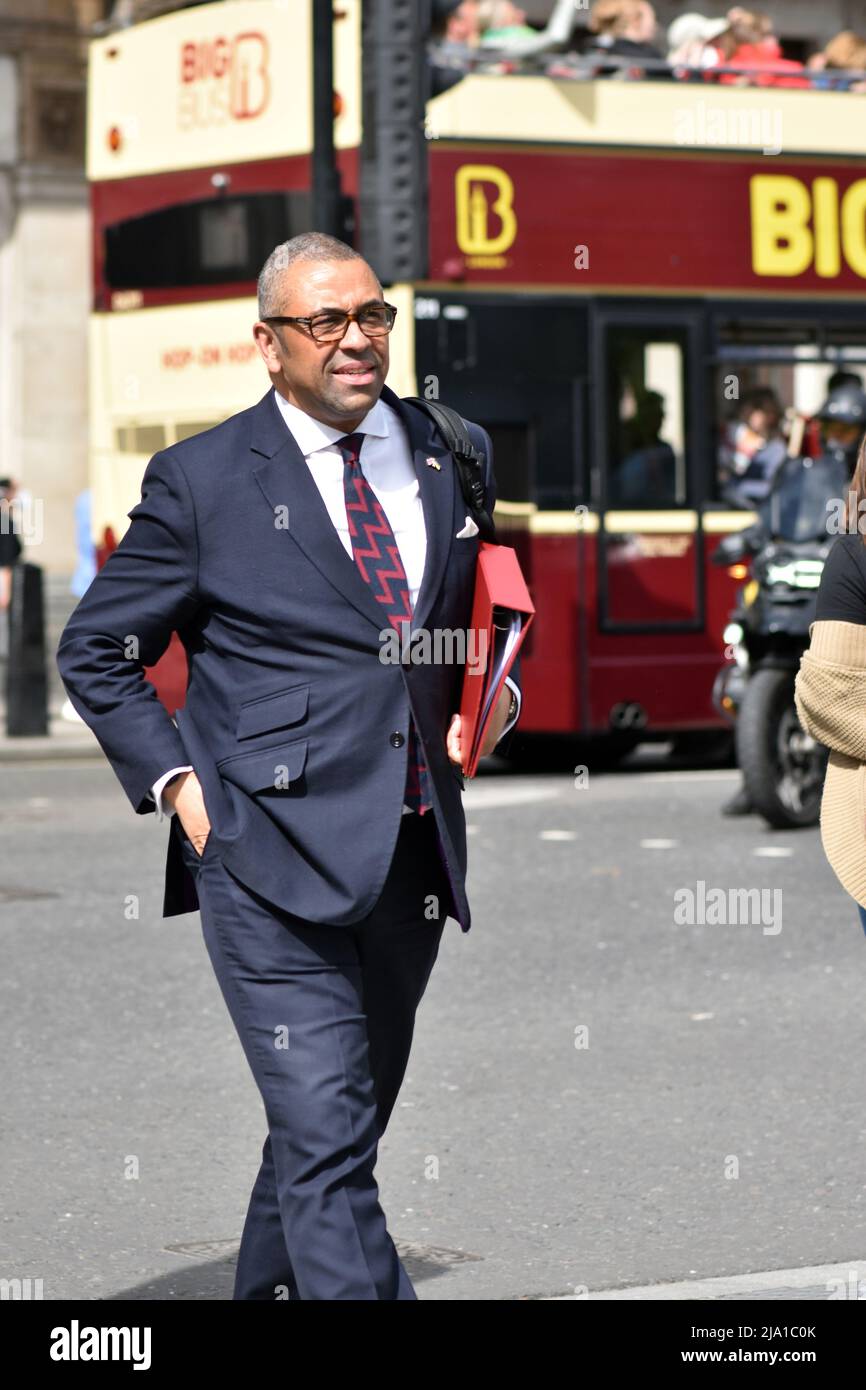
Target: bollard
[{"x": 26, "y": 677}]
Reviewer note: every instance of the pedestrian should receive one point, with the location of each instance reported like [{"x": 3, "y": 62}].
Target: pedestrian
[
  {"x": 318, "y": 818},
  {"x": 830, "y": 693},
  {"x": 10, "y": 553},
  {"x": 83, "y": 574}
]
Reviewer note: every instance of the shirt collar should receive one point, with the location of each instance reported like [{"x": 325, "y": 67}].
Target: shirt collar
[{"x": 311, "y": 434}]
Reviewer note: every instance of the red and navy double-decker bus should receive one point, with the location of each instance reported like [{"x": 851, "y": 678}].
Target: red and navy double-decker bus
[{"x": 613, "y": 267}]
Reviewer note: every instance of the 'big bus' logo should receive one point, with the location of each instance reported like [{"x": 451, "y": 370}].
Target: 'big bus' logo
[
  {"x": 223, "y": 80},
  {"x": 797, "y": 227},
  {"x": 477, "y": 239}
]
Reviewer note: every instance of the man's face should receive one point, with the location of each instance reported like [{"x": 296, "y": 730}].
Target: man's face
[{"x": 335, "y": 382}]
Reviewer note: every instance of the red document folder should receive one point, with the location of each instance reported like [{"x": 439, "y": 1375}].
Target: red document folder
[{"x": 501, "y": 614}]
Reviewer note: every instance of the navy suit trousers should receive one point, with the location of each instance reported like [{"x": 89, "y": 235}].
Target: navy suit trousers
[{"x": 325, "y": 1015}]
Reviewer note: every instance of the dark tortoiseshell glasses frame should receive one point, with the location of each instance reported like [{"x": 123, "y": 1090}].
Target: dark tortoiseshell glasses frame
[{"x": 330, "y": 324}]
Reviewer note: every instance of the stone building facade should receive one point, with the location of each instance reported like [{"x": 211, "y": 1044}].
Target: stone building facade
[{"x": 44, "y": 267}]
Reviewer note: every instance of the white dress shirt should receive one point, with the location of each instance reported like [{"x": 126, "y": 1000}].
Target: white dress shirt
[{"x": 386, "y": 461}]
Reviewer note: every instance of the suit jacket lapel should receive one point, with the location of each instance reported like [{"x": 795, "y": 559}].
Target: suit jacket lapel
[
  {"x": 437, "y": 498},
  {"x": 286, "y": 482}
]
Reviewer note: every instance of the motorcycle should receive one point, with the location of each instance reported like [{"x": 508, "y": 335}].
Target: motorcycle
[{"x": 783, "y": 767}]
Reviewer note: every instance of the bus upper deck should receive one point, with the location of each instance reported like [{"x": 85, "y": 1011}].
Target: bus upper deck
[{"x": 613, "y": 267}]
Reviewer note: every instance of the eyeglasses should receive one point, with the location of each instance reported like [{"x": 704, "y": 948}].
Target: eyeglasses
[{"x": 374, "y": 320}]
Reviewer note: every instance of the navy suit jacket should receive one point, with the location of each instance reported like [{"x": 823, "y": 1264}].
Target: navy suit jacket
[{"x": 290, "y": 714}]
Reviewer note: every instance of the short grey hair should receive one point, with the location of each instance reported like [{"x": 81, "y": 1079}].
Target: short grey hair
[{"x": 309, "y": 246}]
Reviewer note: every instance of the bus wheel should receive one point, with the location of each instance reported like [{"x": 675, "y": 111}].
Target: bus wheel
[{"x": 782, "y": 766}]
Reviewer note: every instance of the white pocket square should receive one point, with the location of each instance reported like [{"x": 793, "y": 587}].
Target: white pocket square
[{"x": 470, "y": 529}]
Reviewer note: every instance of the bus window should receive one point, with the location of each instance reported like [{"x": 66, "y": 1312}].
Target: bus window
[
  {"x": 202, "y": 243},
  {"x": 187, "y": 428},
  {"x": 139, "y": 439},
  {"x": 518, "y": 366},
  {"x": 770, "y": 378},
  {"x": 513, "y": 447},
  {"x": 646, "y": 464}
]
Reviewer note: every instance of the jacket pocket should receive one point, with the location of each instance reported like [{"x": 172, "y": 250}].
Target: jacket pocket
[
  {"x": 278, "y": 769},
  {"x": 275, "y": 711}
]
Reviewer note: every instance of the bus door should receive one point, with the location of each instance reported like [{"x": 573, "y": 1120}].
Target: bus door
[
  {"x": 518, "y": 365},
  {"x": 649, "y": 571},
  {"x": 534, "y": 429}
]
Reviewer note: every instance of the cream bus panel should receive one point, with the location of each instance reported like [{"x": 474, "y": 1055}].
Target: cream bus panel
[
  {"x": 215, "y": 84},
  {"x": 662, "y": 115},
  {"x": 160, "y": 375}
]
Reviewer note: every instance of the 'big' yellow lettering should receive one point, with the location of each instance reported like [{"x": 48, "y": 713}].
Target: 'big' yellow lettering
[
  {"x": 795, "y": 227},
  {"x": 472, "y": 209}
]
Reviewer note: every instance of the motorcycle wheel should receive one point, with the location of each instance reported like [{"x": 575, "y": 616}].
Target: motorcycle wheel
[{"x": 782, "y": 766}]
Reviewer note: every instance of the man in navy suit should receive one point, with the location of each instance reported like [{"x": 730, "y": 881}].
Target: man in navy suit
[{"x": 314, "y": 785}]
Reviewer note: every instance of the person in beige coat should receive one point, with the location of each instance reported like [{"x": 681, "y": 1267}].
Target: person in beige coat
[{"x": 830, "y": 692}]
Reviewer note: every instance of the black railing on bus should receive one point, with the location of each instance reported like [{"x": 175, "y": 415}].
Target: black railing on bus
[{"x": 589, "y": 66}]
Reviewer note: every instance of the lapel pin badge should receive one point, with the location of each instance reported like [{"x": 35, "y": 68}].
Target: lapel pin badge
[{"x": 434, "y": 463}]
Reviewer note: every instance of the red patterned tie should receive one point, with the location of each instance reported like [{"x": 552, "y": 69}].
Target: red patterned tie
[{"x": 378, "y": 558}]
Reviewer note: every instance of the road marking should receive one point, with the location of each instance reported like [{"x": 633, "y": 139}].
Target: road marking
[
  {"x": 659, "y": 844},
  {"x": 772, "y": 852},
  {"x": 489, "y": 798},
  {"x": 558, "y": 835},
  {"x": 710, "y": 775},
  {"x": 840, "y": 1281}
]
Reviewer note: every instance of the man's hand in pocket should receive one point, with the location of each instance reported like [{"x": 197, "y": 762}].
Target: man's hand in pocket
[{"x": 184, "y": 794}]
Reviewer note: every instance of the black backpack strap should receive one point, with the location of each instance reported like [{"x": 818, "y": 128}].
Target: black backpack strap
[{"x": 470, "y": 462}]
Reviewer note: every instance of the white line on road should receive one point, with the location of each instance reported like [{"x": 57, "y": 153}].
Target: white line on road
[
  {"x": 773, "y": 852},
  {"x": 488, "y": 798},
  {"x": 709, "y": 775},
  {"x": 558, "y": 835},
  {"x": 840, "y": 1281},
  {"x": 659, "y": 844}
]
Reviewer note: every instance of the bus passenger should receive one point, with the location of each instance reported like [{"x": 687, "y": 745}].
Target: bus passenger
[
  {"x": 753, "y": 448},
  {"x": 751, "y": 45},
  {"x": 504, "y": 28},
  {"x": 626, "y": 29},
  {"x": 833, "y": 69},
  {"x": 647, "y": 475},
  {"x": 691, "y": 42},
  {"x": 454, "y": 42}
]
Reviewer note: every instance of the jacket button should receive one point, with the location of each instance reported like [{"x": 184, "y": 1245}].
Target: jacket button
[{"x": 397, "y": 740}]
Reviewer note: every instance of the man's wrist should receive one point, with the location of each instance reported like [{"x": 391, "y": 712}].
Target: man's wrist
[{"x": 171, "y": 790}]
